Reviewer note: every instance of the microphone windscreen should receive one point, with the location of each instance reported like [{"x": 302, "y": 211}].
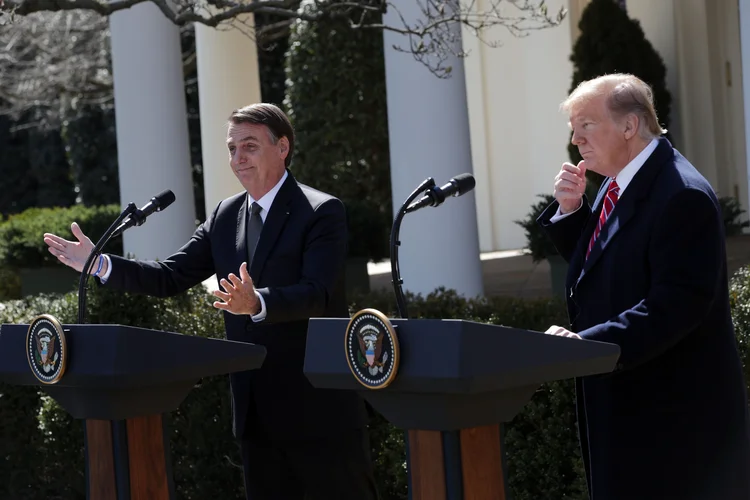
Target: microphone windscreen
[
  {"x": 465, "y": 182},
  {"x": 164, "y": 199}
]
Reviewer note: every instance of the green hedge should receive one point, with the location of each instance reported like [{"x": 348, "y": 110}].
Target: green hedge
[
  {"x": 22, "y": 239},
  {"x": 22, "y": 235},
  {"x": 41, "y": 448}
]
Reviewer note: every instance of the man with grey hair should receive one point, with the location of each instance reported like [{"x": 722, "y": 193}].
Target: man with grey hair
[{"x": 647, "y": 271}]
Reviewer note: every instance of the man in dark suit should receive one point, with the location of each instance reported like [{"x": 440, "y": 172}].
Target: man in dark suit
[
  {"x": 647, "y": 271},
  {"x": 278, "y": 249}
]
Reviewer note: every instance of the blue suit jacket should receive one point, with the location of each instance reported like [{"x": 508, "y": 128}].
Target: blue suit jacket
[
  {"x": 298, "y": 268},
  {"x": 671, "y": 421}
]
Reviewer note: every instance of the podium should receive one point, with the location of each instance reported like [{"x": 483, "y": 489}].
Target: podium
[
  {"x": 120, "y": 380},
  {"x": 456, "y": 383}
]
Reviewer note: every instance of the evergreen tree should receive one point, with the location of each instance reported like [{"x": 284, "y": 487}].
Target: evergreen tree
[
  {"x": 336, "y": 101},
  {"x": 612, "y": 42}
]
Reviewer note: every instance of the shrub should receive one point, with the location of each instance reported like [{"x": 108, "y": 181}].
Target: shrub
[
  {"x": 336, "y": 100},
  {"x": 205, "y": 457},
  {"x": 22, "y": 235},
  {"x": 539, "y": 244},
  {"x": 739, "y": 297},
  {"x": 732, "y": 211},
  {"x": 41, "y": 447},
  {"x": 612, "y": 42}
]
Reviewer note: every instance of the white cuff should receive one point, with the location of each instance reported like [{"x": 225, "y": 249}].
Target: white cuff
[
  {"x": 103, "y": 279},
  {"x": 559, "y": 215},
  {"x": 262, "y": 314}
]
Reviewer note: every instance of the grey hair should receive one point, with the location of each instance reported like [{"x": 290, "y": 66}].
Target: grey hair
[{"x": 625, "y": 94}]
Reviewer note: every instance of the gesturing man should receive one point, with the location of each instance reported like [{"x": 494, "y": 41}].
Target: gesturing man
[{"x": 278, "y": 249}]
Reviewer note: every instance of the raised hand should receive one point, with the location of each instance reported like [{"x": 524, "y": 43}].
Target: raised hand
[
  {"x": 239, "y": 294},
  {"x": 570, "y": 184},
  {"x": 71, "y": 253}
]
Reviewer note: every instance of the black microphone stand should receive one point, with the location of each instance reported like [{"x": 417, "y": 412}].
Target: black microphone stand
[
  {"x": 130, "y": 209},
  {"x": 428, "y": 183}
]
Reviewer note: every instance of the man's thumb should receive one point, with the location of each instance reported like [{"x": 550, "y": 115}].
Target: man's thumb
[
  {"x": 77, "y": 232},
  {"x": 582, "y": 167}
]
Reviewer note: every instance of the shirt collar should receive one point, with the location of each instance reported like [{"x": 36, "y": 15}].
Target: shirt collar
[
  {"x": 626, "y": 174},
  {"x": 266, "y": 200}
]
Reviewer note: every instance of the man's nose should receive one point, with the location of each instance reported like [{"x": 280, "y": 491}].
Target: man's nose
[
  {"x": 576, "y": 139},
  {"x": 236, "y": 158}
]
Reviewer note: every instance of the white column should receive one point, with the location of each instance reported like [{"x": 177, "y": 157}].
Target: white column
[
  {"x": 695, "y": 105},
  {"x": 152, "y": 130},
  {"x": 745, "y": 49},
  {"x": 428, "y": 130},
  {"x": 228, "y": 78}
]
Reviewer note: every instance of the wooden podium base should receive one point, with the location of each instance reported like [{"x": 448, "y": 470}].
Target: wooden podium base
[
  {"x": 128, "y": 460},
  {"x": 460, "y": 465}
]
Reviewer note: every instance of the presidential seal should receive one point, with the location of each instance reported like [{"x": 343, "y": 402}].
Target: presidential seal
[
  {"x": 372, "y": 349},
  {"x": 46, "y": 349}
]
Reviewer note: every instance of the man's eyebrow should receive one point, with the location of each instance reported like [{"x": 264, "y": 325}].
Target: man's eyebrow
[{"x": 248, "y": 138}]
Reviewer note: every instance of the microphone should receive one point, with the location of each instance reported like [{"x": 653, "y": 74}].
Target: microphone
[
  {"x": 137, "y": 218},
  {"x": 459, "y": 185}
]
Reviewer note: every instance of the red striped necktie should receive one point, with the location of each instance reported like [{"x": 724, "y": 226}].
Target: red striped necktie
[{"x": 608, "y": 205}]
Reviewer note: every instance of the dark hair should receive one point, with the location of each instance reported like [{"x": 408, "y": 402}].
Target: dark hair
[{"x": 272, "y": 117}]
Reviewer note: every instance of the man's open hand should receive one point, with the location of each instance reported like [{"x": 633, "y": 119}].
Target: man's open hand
[
  {"x": 239, "y": 294},
  {"x": 561, "y": 332},
  {"x": 71, "y": 253}
]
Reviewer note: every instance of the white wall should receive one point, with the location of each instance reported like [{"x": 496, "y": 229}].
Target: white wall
[{"x": 519, "y": 137}]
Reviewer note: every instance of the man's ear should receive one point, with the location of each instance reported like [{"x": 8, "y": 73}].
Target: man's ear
[
  {"x": 630, "y": 125},
  {"x": 284, "y": 147}
]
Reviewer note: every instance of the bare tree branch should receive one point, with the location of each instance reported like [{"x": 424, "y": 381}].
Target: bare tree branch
[
  {"x": 52, "y": 63},
  {"x": 55, "y": 54},
  {"x": 439, "y": 16}
]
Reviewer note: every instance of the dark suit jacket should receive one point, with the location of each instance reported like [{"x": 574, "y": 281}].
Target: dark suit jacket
[
  {"x": 299, "y": 270},
  {"x": 671, "y": 421}
]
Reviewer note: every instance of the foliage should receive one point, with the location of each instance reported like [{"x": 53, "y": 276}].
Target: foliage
[
  {"x": 91, "y": 151},
  {"x": 204, "y": 454},
  {"x": 41, "y": 448},
  {"x": 337, "y": 103},
  {"x": 272, "y": 63},
  {"x": 739, "y": 298},
  {"x": 22, "y": 235},
  {"x": 430, "y": 31},
  {"x": 33, "y": 172},
  {"x": 537, "y": 241},
  {"x": 10, "y": 284},
  {"x": 731, "y": 210},
  {"x": 612, "y": 42}
]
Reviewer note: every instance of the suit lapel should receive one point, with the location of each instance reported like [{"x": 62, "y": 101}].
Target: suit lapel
[
  {"x": 625, "y": 208},
  {"x": 273, "y": 225}
]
